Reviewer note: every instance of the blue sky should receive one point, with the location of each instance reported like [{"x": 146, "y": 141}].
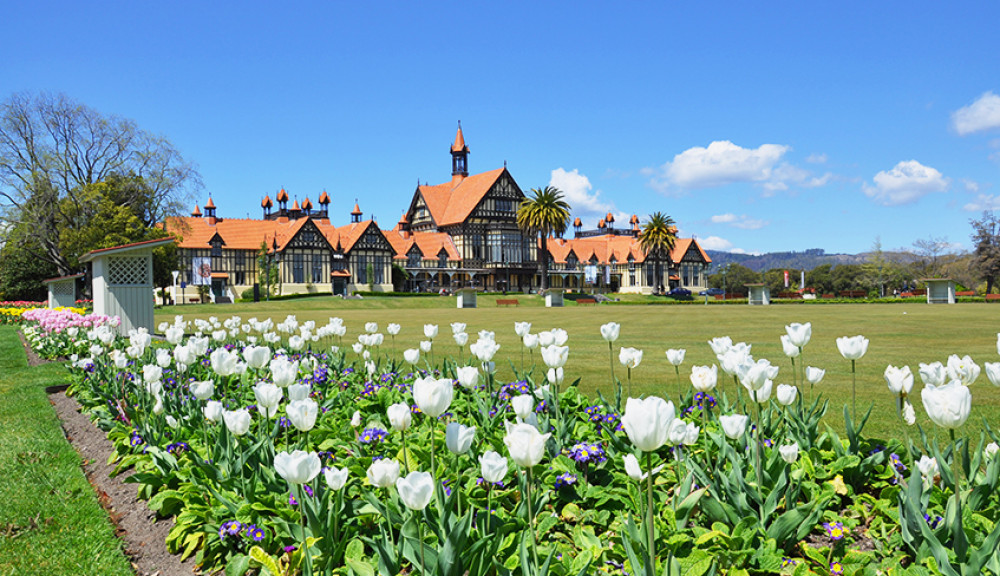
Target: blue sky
[{"x": 758, "y": 128}]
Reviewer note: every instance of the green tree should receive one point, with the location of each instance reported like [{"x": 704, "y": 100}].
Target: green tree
[
  {"x": 544, "y": 213},
  {"x": 657, "y": 239},
  {"x": 733, "y": 278},
  {"x": 53, "y": 148},
  {"x": 847, "y": 277},
  {"x": 820, "y": 279},
  {"x": 268, "y": 276},
  {"x": 986, "y": 254},
  {"x": 21, "y": 273}
]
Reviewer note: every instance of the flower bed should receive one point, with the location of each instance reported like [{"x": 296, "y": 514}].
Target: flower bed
[{"x": 373, "y": 463}]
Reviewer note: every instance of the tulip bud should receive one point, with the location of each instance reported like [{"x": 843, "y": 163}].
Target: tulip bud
[
  {"x": 789, "y": 452},
  {"x": 298, "y": 392},
  {"x": 268, "y": 396},
  {"x": 786, "y": 394},
  {"x": 430, "y": 331},
  {"x": 461, "y": 339},
  {"x": 237, "y": 421},
  {"x": 675, "y": 357},
  {"x": 468, "y": 377},
  {"x": 433, "y": 395},
  {"x": 522, "y": 329},
  {"x": 734, "y": 426},
  {"x": 302, "y": 414},
  {"x": 213, "y": 411},
  {"x": 525, "y": 444},
  {"x": 400, "y": 416},
  {"x": 411, "y": 355},
  {"x": 647, "y": 422},
  {"x": 814, "y": 375},
  {"x": 523, "y": 405},
  {"x": 791, "y": 350},
  {"x": 458, "y": 438}
]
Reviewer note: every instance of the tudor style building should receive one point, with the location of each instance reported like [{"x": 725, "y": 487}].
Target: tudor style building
[
  {"x": 460, "y": 233},
  {"x": 311, "y": 254},
  {"x": 464, "y": 232}
]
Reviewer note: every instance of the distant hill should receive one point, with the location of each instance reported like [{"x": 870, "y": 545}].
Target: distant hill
[{"x": 805, "y": 260}]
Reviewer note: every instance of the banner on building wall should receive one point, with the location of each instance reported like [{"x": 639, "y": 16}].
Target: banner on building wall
[
  {"x": 607, "y": 274},
  {"x": 202, "y": 267},
  {"x": 590, "y": 274},
  {"x": 786, "y": 278}
]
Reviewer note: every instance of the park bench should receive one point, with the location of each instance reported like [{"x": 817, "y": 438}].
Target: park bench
[
  {"x": 853, "y": 293},
  {"x": 992, "y": 297},
  {"x": 966, "y": 293},
  {"x": 586, "y": 301},
  {"x": 507, "y": 302},
  {"x": 790, "y": 295},
  {"x": 828, "y": 296}
]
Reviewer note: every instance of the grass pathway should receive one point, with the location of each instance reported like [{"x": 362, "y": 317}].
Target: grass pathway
[{"x": 50, "y": 521}]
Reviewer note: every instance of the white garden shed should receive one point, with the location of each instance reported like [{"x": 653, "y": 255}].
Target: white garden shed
[
  {"x": 62, "y": 290},
  {"x": 123, "y": 282},
  {"x": 940, "y": 290}
]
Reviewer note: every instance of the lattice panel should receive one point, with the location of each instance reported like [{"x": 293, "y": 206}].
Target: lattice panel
[
  {"x": 127, "y": 271},
  {"x": 63, "y": 288}
]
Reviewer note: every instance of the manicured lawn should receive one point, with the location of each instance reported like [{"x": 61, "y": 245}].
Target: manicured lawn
[
  {"x": 900, "y": 334},
  {"x": 50, "y": 521}
]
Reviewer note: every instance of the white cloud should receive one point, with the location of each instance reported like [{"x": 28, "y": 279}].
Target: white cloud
[
  {"x": 577, "y": 190},
  {"x": 715, "y": 243},
  {"x": 983, "y": 202},
  {"x": 723, "y": 162},
  {"x": 816, "y": 158},
  {"x": 907, "y": 182},
  {"x": 983, "y": 114},
  {"x": 741, "y": 221},
  {"x": 970, "y": 185}
]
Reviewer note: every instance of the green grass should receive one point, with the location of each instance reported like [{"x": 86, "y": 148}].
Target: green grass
[
  {"x": 900, "y": 334},
  {"x": 50, "y": 521}
]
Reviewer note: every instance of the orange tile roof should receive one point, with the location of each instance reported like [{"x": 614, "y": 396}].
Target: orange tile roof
[
  {"x": 196, "y": 211},
  {"x": 282, "y": 196},
  {"x": 428, "y": 243},
  {"x": 357, "y": 209},
  {"x": 606, "y": 246},
  {"x": 452, "y": 202},
  {"x": 209, "y": 204},
  {"x": 307, "y": 204},
  {"x": 324, "y": 198},
  {"x": 266, "y": 202},
  {"x": 295, "y": 205}
]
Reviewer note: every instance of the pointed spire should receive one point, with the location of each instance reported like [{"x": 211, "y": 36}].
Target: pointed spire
[
  {"x": 307, "y": 204},
  {"x": 459, "y": 145},
  {"x": 324, "y": 198},
  {"x": 210, "y": 204},
  {"x": 282, "y": 196},
  {"x": 196, "y": 212},
  {"x": 266, "y": 202}
]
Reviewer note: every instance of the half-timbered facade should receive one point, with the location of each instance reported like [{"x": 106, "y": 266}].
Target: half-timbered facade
[
  {"x": 310, "y": 254},
  {"x": 478, "y": 215},
  {"x": 457, "y": 234}
]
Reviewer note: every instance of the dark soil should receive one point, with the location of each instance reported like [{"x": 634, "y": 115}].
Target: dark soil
[
  {"x": 33, "y": 359},
  {"x": 143, "y": 534}
]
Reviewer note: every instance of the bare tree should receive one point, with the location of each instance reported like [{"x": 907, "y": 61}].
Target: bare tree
[
  {"x": 52, "y": 147},
  {"x": 930, "y": 251}
]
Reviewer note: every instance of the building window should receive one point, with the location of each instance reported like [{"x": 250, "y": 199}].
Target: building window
[
  {"x": 362, "y": 269},
  {"x": 317, "y": 268},
  {"x": 378, "y": 270},
  {"x": 477, "y": 247},
  {"x": 298, "y": 276},
  {"x": 442, "y": 260},
  {"x": 413, "y": 259},
  {"x": 216, "y": 250},
  {"x": 572, "y": 262}
]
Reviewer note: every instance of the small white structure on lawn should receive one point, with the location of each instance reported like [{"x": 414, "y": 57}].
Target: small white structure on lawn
[
  {"x": 940, "y": 290},
  {"x": 466, "y": 297},
  {"x": 62, "y": 290},
  {"x": 123, "y": 282},
  {"x": 554, "y": 298},
  {"x": 759, "y": 295}
]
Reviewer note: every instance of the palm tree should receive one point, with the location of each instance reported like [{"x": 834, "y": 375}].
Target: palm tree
[
  {"x": 544, "y": 213},
  {"x": 657, "y": 239}
]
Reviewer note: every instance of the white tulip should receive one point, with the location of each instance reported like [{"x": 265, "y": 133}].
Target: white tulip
[
  {"x": 299, "y": 467},
  {"x": 400, "y": 416},
  {"x": 799, "y": 334},
  {"x": 814, "y": 375},
  {"x": 523, "y": 405},
  {"x": 704, "y": 378},
  {"x": 962, "y": 369},
  {"x": 949, "y": 405},
  {"x": 336, "y": 478},
  {"x": 457, "y": 327},
  {"x": 786, "y": 394},
  {"x": 676, "y": 356},
  {"x": 302, "y": 414},
  {"x": 283, "y": 372},
  {"x": 993, "y": 372},
  {"x": 525, "y": 444},
  {"x": 899, "y": 380},
  {"x": 933, "y": 374},
  {"x": 461, "y": 339},
  {"x": 647, "y": 422},
  {"x": 720, "y": 345},
  {"x": 433, "y": 395},
  {"x": 213, "y": 411},
  {"x": 268, "y": 396},
  {"x": 629, "y": 357},
  {"x": 493, "y": 467},
  {"x": 202, "y": 390},
  {"x": 383, "y": 473},
  {"x": 468, "y": 376},
  {"x": 458, "y": 438},
  {"x": 411, "y": 355},
  {"x": 522, "y": 328},
  {"x": 611, "y": 330},
  {"x": 530, "y": 341},
  {"x": 853, "y": 347},
  {"x": 430, "y": 331},
  {"x": 734, "y": 426},
  {"x": 298, "y": 392},
  {"x": 791, "y": 350},
  {"x": 789, "y": 452},
  {"x": 416, "y": 490},
  {"x": 555, "y": 356},
  {"x": 238, "y": 421},
  {"x": 425, "y": 346}
]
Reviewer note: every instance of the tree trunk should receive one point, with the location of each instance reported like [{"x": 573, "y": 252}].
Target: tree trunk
[{"x": 543, "y": 260}]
